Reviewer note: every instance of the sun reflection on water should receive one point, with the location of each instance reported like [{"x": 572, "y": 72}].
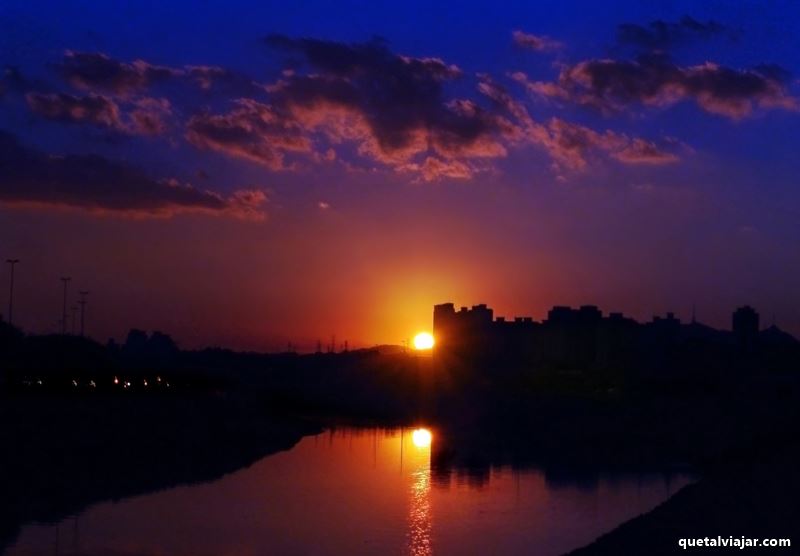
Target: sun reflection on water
[{"x": 419, "y": 516}]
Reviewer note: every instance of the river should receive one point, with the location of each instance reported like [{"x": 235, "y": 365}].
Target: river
[{"x": 359, "y": 491}]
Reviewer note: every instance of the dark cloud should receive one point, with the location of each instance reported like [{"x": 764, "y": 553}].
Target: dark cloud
[
  {"x": 399, "y": 111},
  {"x": 98, "y": 72},
  {"x": 662, "y": 35},
  {"x": 94, "y": 183},
  {"x": 252, "y": 130},
  {"x": 95, "y": 71},
  {"x": 655, "y": 80},
  {"x": 394, "y": 108},
  {"x": 372, "y": 58},
  {"x": 147, "y": 116},
  {"x": 92, "y": 109},
  {"x": 396, "y": 111},
  {"x": 396, "y": 103}
]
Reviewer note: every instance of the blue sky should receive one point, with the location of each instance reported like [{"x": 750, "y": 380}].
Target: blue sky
[{"x": 640, "y": 156}]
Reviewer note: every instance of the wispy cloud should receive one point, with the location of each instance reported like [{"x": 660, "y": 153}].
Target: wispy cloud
[
  {"x": 663, "y": 35},
  {"x": 570, "y": 144},
  {"x": 540, "y": 43}
]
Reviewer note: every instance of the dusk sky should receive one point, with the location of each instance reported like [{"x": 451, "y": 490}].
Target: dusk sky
[{"x": 250, "y": 174}]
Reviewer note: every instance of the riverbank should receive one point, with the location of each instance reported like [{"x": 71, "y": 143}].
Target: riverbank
[
  {"x": 747, "y": 447},
  {"x": 62, "y": 454},
  {"x": 756, "y": 500}
]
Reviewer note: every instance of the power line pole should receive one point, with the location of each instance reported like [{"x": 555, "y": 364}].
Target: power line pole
[
  {"x": 11, "y": 262},
  {"x": 66, "y": 280},
  {"x": 83, "y": 303}
]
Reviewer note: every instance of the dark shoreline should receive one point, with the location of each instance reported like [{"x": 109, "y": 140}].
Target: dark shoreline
[
  {"x": 63, "y": 455},
  {"x": 756, "y": 501}
]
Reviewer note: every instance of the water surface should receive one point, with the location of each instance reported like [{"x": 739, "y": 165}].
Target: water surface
[{"x": 358, "y": 491}]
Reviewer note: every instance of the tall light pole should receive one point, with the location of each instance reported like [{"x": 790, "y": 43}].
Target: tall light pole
[
  {"x": 11, "y": 262},
  {"x": 83, "y": 303},
  {"x": 66, "y": 280}
]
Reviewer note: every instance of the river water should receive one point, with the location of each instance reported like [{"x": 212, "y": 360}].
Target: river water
[{"x": 359, "y": 491}]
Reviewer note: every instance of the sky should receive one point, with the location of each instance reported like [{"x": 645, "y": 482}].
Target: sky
[{"x": 251, "y": 174}]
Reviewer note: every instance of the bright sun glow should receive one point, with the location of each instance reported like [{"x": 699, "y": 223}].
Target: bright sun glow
[
  {"x": 421, "y": 438},
  {"x": 423, "y": 340}
]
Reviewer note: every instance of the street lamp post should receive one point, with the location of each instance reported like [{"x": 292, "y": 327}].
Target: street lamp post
[
  {"x": 66, "y": 280},
  {"x": 83, "y": 303},
  {"x": 11, "y": 262}
]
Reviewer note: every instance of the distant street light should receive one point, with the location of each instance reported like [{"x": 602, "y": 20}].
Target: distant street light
[
  {"x": 11, "y": 262},
  {"x": 66, "y": 280}
]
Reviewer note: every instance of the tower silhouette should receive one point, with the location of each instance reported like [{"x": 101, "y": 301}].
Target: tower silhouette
[{"x": 82, "y": 302}]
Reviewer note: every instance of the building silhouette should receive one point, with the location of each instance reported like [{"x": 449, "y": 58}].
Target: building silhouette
[
  {"x": 584, "y": 338},
  {"x": 745, "y": 328}
]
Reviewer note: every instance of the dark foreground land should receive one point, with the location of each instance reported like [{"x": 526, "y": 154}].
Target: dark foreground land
[
  {"x": 73, "y": 437},
  {"x": 61, "y": 453},
  {"x": 756, "y": 499}
]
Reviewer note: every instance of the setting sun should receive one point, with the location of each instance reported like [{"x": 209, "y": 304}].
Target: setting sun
[
  {"x": 423, "y": 340},
  {"x": 421, "y": 438}
]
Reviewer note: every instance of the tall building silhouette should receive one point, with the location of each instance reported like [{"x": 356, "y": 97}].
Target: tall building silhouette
[{"x": 745, "y": 327}]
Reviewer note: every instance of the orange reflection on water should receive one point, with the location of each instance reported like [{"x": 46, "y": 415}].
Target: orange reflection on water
[
  {"x": 360, "y": 492},
  {"x": 419, "y": 514}
]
